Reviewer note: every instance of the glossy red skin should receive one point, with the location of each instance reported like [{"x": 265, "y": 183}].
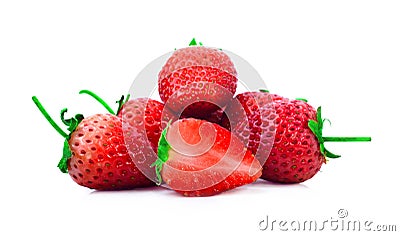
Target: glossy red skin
[
  {"x": 99, "y": 157},
  {"x": 143, "y": 120},
  {"x": 206, "y": 66},
  {"x": 213, "y": 117},
  {"x": 197, "y": 56},
  {"x": 198, "y": 90},
  {"x": 156, "y": 117},
  {"x": 237, "y": 168},
  {"x": 295, "y": 156},
  {"x": 259, "y": 120}
]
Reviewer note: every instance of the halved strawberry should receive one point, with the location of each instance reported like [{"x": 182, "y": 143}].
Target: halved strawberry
[{"x": 199, "y": 158}]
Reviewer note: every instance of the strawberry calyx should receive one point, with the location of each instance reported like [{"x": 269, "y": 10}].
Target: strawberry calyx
[
  {"x": 317, "y": 126},
  {"x": 72, "y": 123},
  {"x": 162, "y": 152},
  {"x": 194, "y": 43}
]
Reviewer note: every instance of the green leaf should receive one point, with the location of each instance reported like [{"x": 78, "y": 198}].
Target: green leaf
[
  {"x": 63, "y": 163},
  {"x": 62, "y": 114},
  {"x": 316, "y": 127},
  {"x": 322, "y": 148},
  {"x": 163, "y": 146},
  {"x": 330, "y": 155},
  {"x": 163, "y": 149},
  {"x": 72, "y": 122},
  {"x": 313, "y": 125},
  {"x": 158, "y": 164},
  {"x": 193, "y": 42},
  {"x": 79, "y": 117},
  {"x": 319, "y": 120}
]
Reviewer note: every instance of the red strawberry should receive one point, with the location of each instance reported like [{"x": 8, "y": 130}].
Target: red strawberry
[
  {"x": 152, "y": 112},
  {"x": 199, "y": 158},
  {"x": 198, "y": 79},
  {"x": 197, "y": 56},
  {"x": 213, "y": 117},
  {"x": 251, "y": 117},
  {"x": 298, "y": 151},
  {"x": 99, "y": 158},
  {"x": 143, "y": 120},
  {"x": 94, "y": 153},
  {"x": 296, "y": 155}
]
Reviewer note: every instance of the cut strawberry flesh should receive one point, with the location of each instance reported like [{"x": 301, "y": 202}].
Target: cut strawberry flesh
[{"x": 227, "y": 163}]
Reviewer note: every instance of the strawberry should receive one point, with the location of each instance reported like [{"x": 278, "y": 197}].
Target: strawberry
[
  {"x": 199, "y": 158},
  {"x": 298, "y": 150},
  {"x": 296, "y": 155},
  {"x": 94, "y": 153},
  {"x": 213, "y": 117},
  {"x": 99, "y": 158},
  {"x": 152, "y": 112},
  {"x": 197, "y": 79},
  {"x": 251, "y": 117},
  {"x": 144, "y": 119},
  {"x": 216, "y": 116}
]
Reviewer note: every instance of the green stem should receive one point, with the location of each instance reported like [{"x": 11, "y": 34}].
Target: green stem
[
  {"x": 302, "y": 99},
  {"x": 121, "y": 102},
  {"x": 346, "y": 139},
  {"x": 127, "y": 98},
  {"x": 48, "y": 118},
  {"x": 101, "y": 101}
]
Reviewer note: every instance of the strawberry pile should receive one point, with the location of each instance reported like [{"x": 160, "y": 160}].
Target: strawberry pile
[{"x": 201, "y": 139}]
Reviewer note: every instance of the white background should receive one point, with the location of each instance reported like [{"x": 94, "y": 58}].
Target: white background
[{"x": 343, "y": 55}]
